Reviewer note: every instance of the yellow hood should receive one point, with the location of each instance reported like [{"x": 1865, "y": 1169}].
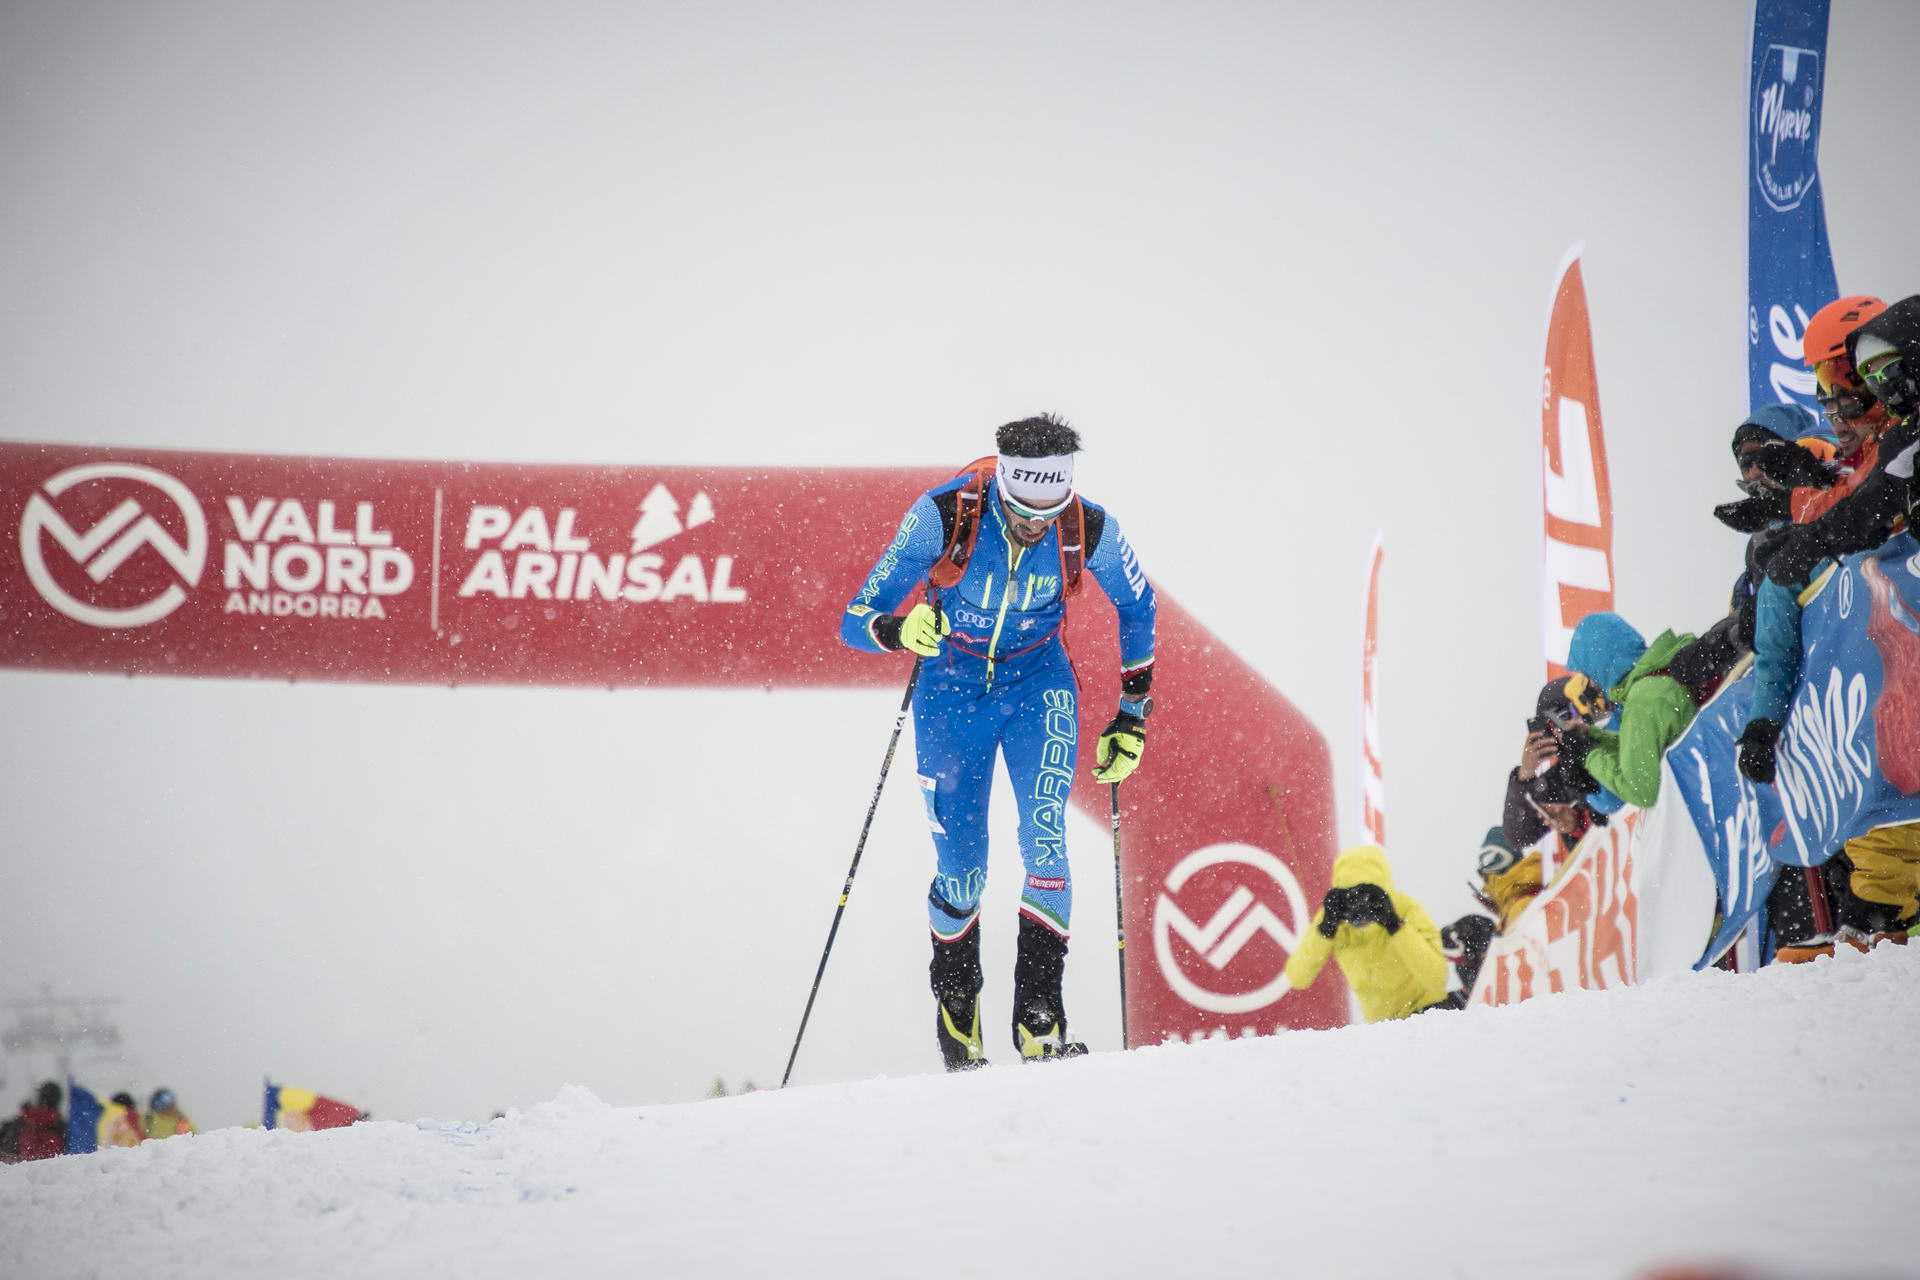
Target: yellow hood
[{"x": 1362, "y": 864}]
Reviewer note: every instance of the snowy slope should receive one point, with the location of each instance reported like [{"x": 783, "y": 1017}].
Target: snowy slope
[{"x": 1768, "y": 1118}]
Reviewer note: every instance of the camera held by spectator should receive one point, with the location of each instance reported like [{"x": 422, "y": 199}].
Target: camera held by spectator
[{"x": 1552, "y": 762}]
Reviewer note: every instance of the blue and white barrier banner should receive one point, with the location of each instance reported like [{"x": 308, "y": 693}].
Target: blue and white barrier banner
[
  {"x": 1789, "y": 264},
  {"x": 1731, "y": 815},
  {"x": 1849, "y": 760}
]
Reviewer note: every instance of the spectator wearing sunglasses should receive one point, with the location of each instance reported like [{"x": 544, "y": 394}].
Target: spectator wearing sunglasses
[
  {"x": 1550, "y": 789},
  {"x": 1781, "y": 481},
  {"x": 1857, "y": 512},
  {"x": 1783, "y": 469},
  {"x": 1784, "y": 463}
]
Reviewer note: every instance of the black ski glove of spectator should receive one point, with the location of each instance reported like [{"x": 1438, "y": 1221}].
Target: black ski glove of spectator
[
  {"x": 1465, "y": 941},
  {"x": 1750, "y": 515},
  {"x": 1362, "y": 904},
  {"x": 1791, "y": 563},
  {"x": 1789, "y": 464},
  {"x": 1757, "y": 742},
  {"x": 1568, "y": 781}
]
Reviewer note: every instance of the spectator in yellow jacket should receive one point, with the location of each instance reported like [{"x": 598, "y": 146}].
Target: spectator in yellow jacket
[
  {"x": 164, "y": 1116},
  {"x": 1385, "y": 943}
]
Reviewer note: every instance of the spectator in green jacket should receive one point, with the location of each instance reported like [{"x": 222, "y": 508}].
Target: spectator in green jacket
[{"x": 1655, "y": 708}]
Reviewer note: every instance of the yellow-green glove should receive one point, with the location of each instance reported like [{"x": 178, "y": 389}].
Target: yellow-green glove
[
  {"x": 919, "y": 631},
  {"x": 1121, "y": 745}
]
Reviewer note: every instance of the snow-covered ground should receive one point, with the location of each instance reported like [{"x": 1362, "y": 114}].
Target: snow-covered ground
[{"x": 1766, "y": 1118}]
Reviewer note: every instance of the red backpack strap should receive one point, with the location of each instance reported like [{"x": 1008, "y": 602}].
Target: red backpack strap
[
  {"x": 968, "y": 505},
  {"x": 952, "y": 564},
  {"x": 1072, "y": 528}
]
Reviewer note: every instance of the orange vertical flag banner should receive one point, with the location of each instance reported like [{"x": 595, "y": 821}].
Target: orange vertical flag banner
[
  {"x": 1576, "y": 561},
  {"x": 1373, "y": 800}
]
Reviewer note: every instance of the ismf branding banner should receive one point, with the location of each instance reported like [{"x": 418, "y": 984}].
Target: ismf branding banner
[
  {"x": 202, "y": 564},
  {"x": 1576, "y": 563},
  {"x": 1849, "y": 759},
  {"x": 1789, "y": 264}
]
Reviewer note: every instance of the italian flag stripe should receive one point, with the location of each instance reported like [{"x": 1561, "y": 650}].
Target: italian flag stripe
[
  {"x": 1039, "y": 914},
  {"x": 959, "y": 933}
]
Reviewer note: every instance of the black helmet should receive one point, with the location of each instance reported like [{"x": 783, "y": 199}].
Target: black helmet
[
  {"x": 1570, "y": 700},
  {"x": 1894, "y": 378}
]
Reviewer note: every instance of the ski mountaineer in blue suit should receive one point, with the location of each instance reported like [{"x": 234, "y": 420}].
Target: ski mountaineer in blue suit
[{"x": 1001, "y": 547}]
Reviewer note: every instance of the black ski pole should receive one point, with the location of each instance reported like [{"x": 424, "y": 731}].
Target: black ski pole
[
  {"x": 1120, "y": 918},
  {"x": 899, "y": 723}
]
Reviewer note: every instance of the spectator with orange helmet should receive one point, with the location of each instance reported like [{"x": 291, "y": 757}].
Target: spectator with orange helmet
[{"x": 1855, "y": 513}]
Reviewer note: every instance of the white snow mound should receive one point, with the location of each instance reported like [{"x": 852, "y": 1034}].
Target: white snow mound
[{"x": 1768, "y": 1118}]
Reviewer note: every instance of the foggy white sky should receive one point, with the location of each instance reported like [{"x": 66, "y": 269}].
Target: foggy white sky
[{"x": 1285, "y": 266}]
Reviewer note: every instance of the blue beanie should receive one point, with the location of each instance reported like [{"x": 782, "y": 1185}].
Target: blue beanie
[
  {"x": 1788, "y": 421},
  {"x": 1604, "y": 648}
]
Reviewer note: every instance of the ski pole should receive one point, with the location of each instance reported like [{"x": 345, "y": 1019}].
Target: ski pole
[
  {"x": 899, "y": 723},
  {"x": 1120, "y": 919}
]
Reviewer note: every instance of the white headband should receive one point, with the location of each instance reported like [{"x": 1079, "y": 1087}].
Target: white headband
[{"x": 1036, "y": 482}]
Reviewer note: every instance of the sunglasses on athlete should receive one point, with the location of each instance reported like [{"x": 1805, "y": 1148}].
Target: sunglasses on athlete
[{"x": 1026, "y": 512}]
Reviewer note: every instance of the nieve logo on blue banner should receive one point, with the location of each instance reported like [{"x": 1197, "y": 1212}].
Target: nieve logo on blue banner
[
  {"x": 1789, "y": 268},
  {"x": 1786, "y": 104}
]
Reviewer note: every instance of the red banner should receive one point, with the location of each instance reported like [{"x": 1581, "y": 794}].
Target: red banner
[
  {"x": 201, "y": 564},
  {"x": 1576, "y": 564},
  {"x": 1373, "y": 786}
]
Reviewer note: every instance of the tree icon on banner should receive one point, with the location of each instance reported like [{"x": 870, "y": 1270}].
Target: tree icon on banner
[{"x": 660, "y": 517}]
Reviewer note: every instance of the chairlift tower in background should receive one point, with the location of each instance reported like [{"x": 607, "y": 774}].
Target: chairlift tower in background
[{"x": 61, "y": 1028}]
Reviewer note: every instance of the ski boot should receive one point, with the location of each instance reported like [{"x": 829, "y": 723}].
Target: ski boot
[
  {"x": 1800, "y": 910},
  {"x": 1042, "y": 1034},
  {"x": 1803, "y": 950},
  {"x": 955, "y": 972},
  {"x": 1040, "y": 1015}
]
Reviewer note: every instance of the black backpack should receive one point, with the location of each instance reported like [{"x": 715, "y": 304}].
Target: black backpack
[{"x": 1702, "y": 664}]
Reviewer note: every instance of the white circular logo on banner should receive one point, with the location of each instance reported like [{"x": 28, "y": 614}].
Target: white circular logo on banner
[
  {"x": 1247, "y": 913},
  {"x": 112, "y": 541},
  {"x": 1786, "y": 121}
]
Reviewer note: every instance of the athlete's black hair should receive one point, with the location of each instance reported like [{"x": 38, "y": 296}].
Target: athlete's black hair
[{"x": 1044, "y": 436}]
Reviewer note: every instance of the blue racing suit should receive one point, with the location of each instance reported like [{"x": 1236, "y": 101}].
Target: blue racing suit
[{"x": 1001, "y": 683}]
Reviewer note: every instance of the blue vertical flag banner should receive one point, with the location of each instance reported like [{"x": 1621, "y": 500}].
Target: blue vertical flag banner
[
  {"x": 83, "y": 1119},
  {"x": 1849, "y": 760},
  {"x": 1789, "y": 263}
]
